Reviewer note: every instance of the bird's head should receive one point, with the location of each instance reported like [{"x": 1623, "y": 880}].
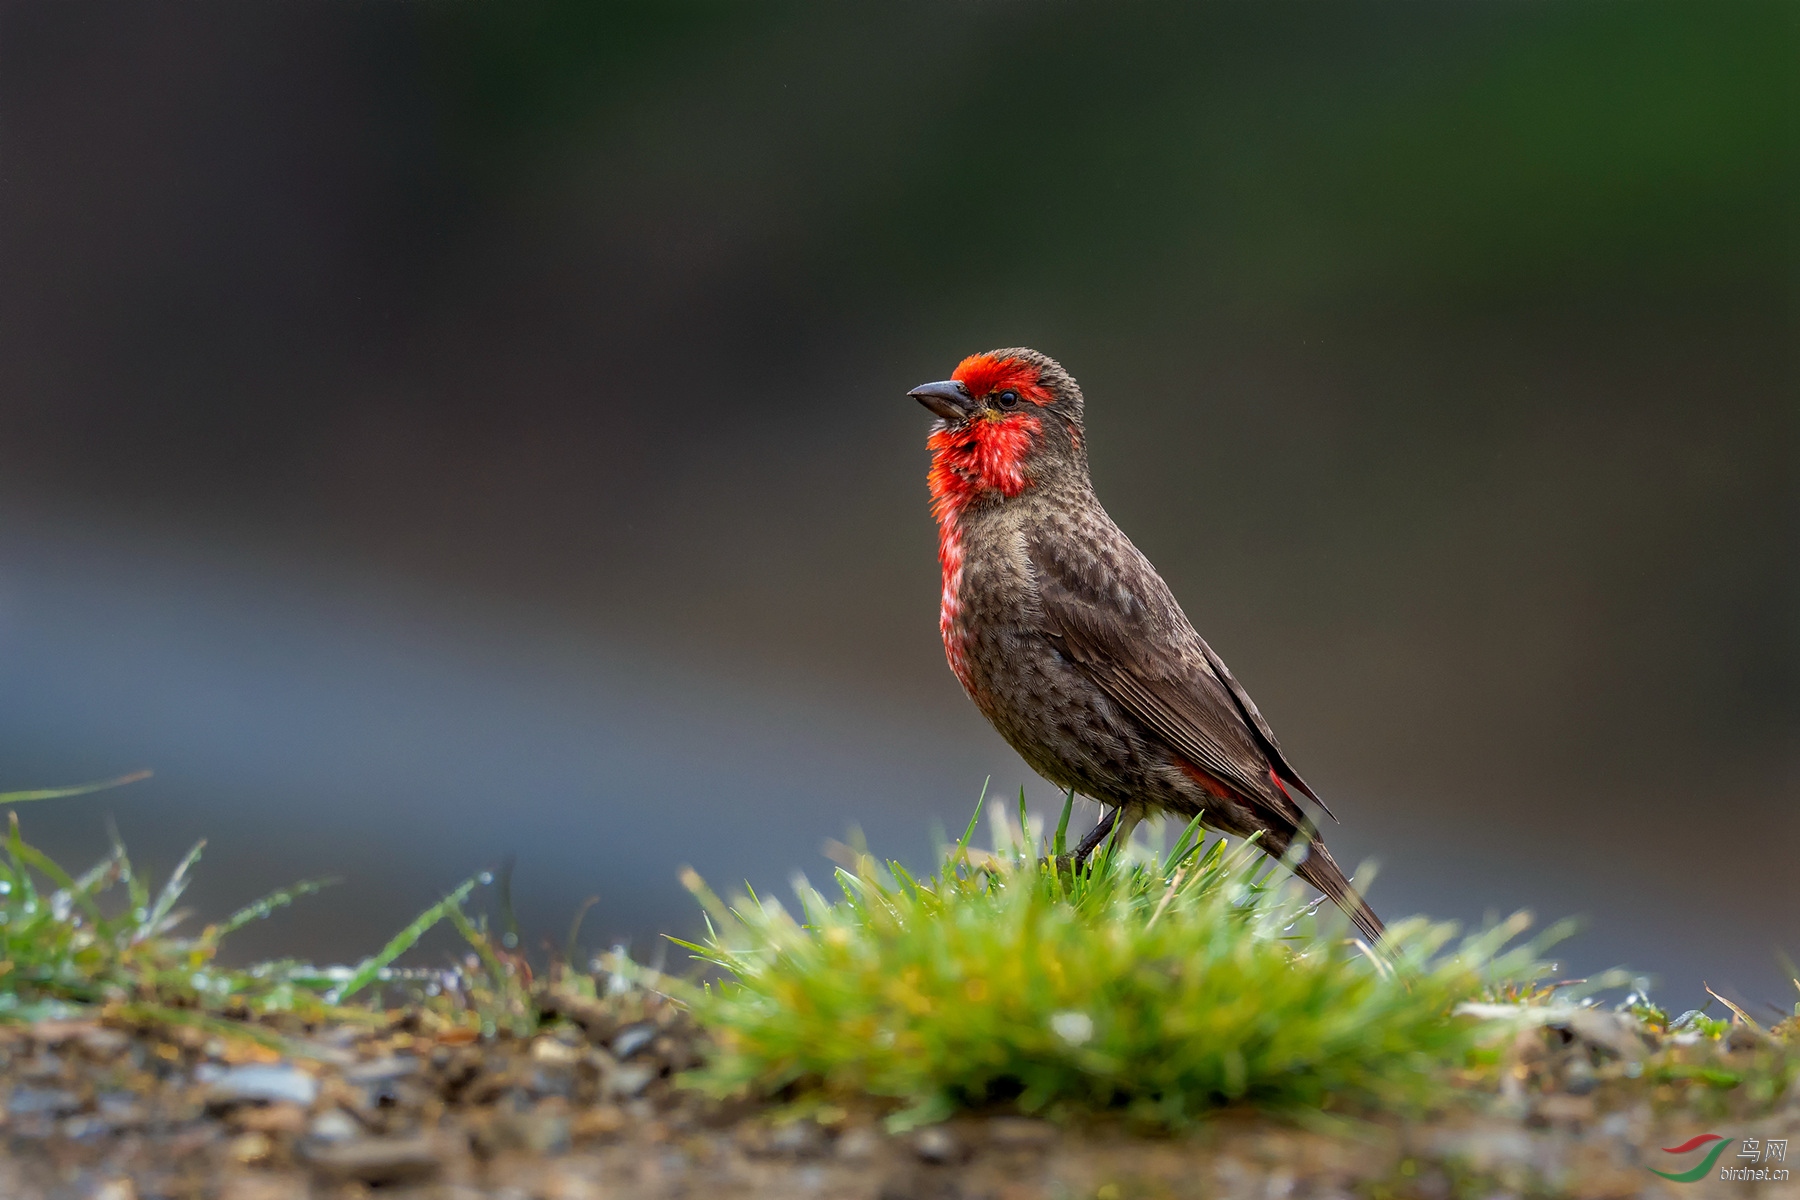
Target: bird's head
[{"x": 1006, "y": 421}]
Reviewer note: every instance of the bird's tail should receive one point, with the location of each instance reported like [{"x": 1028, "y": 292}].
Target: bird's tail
[{"x": 1320, "y": 870}]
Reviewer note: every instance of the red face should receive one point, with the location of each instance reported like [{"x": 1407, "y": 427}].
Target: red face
[{"x": 987, "y": 429}]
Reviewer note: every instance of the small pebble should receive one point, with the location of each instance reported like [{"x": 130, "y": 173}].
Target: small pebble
[
  {"x": 264, "y": 1187},
  {"x": 934, "y": 1145},
  {"x": 553, "y": 1081},
  {"x": 1020, "y": 1131},
  {"x": 55, "y": 1033},
  {"x": 1565, "y": 1109},
  {"x": 1578, "y": 1077},
  {"x": 534, "y": 1133},
  {"x": 262, "y": 1083},
  {"x": 797, "y": 1139},
  {"x": 554, "y": 1052},
  {"x": 251, "y": 1147},
  {"x": 280, "y": 1117},
  {"x": 376, "y": 1160},
  {"x": 78, "y": 1128},
  {"x": 381, "y": 1070},
  {"x": 43, "y": 1102},
  {"x": 633, "y": 1039},
  {"x": 598, "y": 1120},
  {"x": 333, "y": 1125},
  {"x": 1742, "y": 1037},
  {"x": 567, "y": 1185},
  {"x": 626, "y": 1082},
  {"x": 858, "y": 1145},
  {"x": 121, "y": 1110},
  {"x": 104, "y": 1044}
]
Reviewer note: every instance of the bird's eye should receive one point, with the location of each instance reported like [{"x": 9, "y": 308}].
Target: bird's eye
[{"x": 1008, "y": 399}]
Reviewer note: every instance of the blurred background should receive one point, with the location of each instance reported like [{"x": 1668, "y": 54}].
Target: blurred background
[{"x": 437, "y": 433}]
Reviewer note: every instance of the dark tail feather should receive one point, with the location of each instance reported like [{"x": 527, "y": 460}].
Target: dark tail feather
[{"x": 1323, "y": 873}]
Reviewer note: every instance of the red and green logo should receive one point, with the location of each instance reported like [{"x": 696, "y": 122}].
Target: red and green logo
[{"x": 1705, "y": 1164}]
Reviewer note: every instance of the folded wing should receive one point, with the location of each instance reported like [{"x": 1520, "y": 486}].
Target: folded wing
[{"x": 1113, "y": 616}]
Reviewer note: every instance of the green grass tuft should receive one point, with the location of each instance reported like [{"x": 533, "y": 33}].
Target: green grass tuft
[
  {"x": 1158, "y": 985},
  {"x": 105, "y": 943},
  {"x": 103, "y": 940}
]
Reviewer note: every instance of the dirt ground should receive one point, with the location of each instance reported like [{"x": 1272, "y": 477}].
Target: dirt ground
[{"x": 94, "y": 1111}]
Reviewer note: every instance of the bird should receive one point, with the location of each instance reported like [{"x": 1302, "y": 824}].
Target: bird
[{"x": 1072, "y": 646}]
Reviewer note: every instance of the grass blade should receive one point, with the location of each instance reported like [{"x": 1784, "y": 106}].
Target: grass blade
[
  {"x": 569, "y": 947},
  {"x": 15, "y": 847},
  {"x": 1184, "y": 845},
  {"x": 508, "y": 922},
  {"x": 29, "y": 855},
  {"x": 969, "y": 833},
  {"x": 171, "y": 892},
  {"x": 134, "y": 887},
  {"x": 268, "y": 904},
  {"x": 1060, "y": 846},
  {"x": 370, "y": 968},
  {"x": 80, "y": 789},
  {"x": 100, "y": 876},
  {"x": 709, "y": 900},
  {"x": 510, "y": 998}
]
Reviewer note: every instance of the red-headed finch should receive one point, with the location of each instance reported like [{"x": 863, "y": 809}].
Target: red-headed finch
[{"x": 1071, "y": 644}]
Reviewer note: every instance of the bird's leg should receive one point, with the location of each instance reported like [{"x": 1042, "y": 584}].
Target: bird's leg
[
  {"x": 1116, "y": 818},
  {"x": 1095, "y": 836}
]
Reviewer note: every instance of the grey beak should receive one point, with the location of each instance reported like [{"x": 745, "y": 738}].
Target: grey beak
[{"x": 949, "y": 399}]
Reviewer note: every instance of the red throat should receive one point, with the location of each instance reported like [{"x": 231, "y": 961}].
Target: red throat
[{"x": 981, "y": 455}]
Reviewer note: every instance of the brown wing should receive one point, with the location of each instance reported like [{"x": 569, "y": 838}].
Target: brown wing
[
  {"x": 1264, "y": 735},
  {"x": 1114, "y": 617}
]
